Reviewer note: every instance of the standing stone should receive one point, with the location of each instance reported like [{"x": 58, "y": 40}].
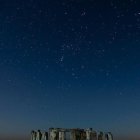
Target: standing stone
[
  {"x": 83, "y": 135},
  {"x": 53, "y": 134},
  {"x": 73, "y": 134},
  {"x": 45, "y": 136},
  {"x": 78, "y": 135},
  {"x": 88, "y": 134},
  {"x": 104, "y": 136},
  {"x": 32, "y": 135},
  {"x": 109, "y": 136},
  {"x": 100, "y": 136},
  {"x": 93, "y": 135},
  {"x": 39, "y": 135},
  {"x": 35, "y": 135},
  {"x": 61, "y": 135}
]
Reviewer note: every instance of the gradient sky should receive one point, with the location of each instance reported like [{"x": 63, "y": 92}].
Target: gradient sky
[{"x": 70, "y": 63}]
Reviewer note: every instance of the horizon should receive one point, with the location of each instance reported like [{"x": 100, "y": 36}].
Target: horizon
[{"x": 69, "y": 64}]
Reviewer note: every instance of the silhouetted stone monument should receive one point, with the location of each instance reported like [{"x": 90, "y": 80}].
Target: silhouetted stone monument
[{"x": 70, "y": 134}]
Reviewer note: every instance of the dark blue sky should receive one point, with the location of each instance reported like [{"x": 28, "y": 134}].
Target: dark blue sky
[{"x": 70, "y": 63}]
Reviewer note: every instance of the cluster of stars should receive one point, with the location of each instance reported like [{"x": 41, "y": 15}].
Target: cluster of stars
[{"x": 75, "y": 44}]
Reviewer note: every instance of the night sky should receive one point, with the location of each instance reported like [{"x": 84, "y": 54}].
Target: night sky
[{"x": 70, "y": 63}]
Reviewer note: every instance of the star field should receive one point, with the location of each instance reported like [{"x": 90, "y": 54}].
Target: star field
[{"x": 71, "y": 63}]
